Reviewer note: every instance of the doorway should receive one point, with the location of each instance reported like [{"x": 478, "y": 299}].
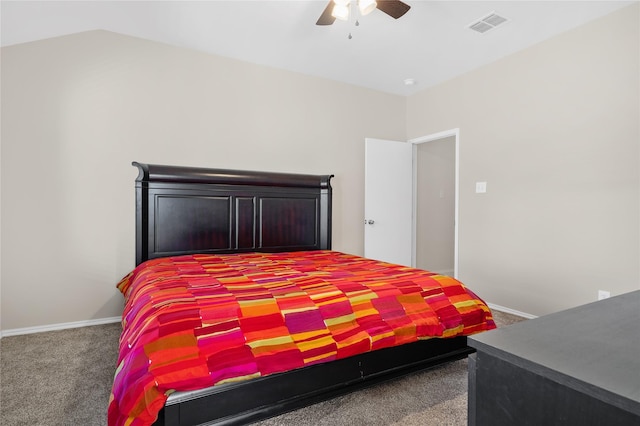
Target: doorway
[
  {"x": 435, "y": 202},
  {"x": 391, "y": 200}
]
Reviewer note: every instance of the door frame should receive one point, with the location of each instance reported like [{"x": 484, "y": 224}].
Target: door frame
[{"x": 430, "y": 138}]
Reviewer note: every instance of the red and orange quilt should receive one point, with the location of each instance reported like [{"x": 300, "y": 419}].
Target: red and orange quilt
[{"x": 195, "y": 321}]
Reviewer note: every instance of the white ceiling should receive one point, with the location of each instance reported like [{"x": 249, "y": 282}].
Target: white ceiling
[{"x": 431, "y": 43}]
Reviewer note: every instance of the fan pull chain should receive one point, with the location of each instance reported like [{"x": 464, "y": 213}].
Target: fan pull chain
[
  {"x": 351, "y": 17},
  {"x": 357, "y": 24}
]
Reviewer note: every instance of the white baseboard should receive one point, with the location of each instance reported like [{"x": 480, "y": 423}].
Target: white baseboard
[
  {"x": 493, "y": 306},
  {"x": 60, "y": 326}
]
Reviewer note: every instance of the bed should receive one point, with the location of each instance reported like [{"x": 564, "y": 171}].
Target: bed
[{"x": 245, "y": 257}]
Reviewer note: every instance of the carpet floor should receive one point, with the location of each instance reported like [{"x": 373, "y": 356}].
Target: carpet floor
[{"x": 64, "y": 378}]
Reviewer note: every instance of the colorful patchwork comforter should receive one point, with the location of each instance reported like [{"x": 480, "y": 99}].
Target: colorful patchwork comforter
[{"x": 196, "y": 321}]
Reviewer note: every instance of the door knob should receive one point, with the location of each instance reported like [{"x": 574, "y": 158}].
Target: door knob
[{"x": 370, "y": 222}]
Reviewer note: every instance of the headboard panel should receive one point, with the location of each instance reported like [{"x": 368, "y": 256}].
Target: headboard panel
[{"x": 182, "y": 210}]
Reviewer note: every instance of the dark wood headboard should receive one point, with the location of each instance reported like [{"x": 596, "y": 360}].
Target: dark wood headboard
[{"x": 182, "y": 210}]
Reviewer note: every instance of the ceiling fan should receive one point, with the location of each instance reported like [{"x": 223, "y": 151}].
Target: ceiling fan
[{"x": 339, "y": 9}]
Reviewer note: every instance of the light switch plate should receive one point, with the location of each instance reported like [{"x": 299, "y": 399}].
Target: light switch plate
[{"x": 481, "y": 187}]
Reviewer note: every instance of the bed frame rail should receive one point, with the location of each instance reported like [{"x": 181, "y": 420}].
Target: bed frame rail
[{"x": 246, "y": 402}]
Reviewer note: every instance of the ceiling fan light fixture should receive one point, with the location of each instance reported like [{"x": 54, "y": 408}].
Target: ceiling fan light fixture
[
  {"x": 367, "y": 6},
  {"x": 340, "y": 11}
]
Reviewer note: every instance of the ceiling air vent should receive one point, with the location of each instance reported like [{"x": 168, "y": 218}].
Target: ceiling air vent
[{"x": 487, "y": 23}]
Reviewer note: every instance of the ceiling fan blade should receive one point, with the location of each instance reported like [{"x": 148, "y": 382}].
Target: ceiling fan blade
[
  {"x": 326, "y": 18},
  {"x": 393, "y": 8}
]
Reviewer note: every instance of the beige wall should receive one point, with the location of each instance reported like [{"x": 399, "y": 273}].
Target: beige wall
[
  {"x": 77, "y": 110},
  {"x": 554, "y": 131}
]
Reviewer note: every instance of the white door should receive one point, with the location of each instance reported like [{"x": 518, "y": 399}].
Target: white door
[{"x": 388, "y": 206}]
